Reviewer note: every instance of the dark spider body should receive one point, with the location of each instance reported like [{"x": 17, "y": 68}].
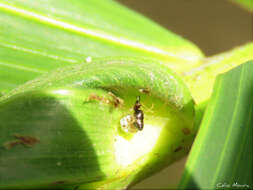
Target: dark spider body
[{"x": 138, "y": 115}]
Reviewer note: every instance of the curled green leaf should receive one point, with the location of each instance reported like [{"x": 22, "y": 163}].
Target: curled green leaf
[{"x": 74, "y": 115}]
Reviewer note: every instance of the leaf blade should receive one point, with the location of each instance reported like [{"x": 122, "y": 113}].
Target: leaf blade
[
  {"x": 225, "y": 135},
  {"x": 49, "y": 34}
]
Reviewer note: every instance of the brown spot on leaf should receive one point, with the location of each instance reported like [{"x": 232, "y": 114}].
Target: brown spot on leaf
[
  {"x": 178, "y": 149},
  {"x": 27, "y": 140},
  {"x": 58, "y": 182},
  {"x": 186, "y": 131},
  {"x": 94, "y": 97},
  {"x": 24, "y": 140},
  {"x": 8, "y": 145}
]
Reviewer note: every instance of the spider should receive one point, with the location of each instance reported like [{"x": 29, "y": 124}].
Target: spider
[{"x": 134, "y": 122}]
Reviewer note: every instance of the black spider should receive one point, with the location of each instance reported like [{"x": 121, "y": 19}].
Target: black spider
[{"x": 138, "y": 114}]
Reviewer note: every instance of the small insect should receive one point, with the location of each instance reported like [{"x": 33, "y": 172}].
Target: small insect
[
  {"x": 113, "y": 100},
  {"x": 117, "y": 102},
  {"x": 138, "y": 114},
  {"x": 133, "y": 123},
  {"x": 94, "y": 97}
]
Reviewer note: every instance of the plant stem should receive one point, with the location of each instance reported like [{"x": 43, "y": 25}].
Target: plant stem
[{"x": 200, "y": 79}]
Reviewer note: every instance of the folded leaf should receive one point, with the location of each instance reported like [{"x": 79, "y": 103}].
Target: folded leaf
[{"x": 65, "y": 130}]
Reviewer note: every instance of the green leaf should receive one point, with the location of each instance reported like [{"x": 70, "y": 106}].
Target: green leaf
[
  {"x": 247, "y": 4},
  {"x": 38, "y": 36},
  {"x": 75, "y": 114},
  {"x": 222, "y": 154},
  {"x": 200, "y": 79}
]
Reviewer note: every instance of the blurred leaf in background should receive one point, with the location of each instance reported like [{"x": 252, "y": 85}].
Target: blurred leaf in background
[{"x": 247, "y": 4}]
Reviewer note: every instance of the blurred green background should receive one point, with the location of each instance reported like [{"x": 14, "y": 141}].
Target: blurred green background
[{"x": 213, "y": 25}]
